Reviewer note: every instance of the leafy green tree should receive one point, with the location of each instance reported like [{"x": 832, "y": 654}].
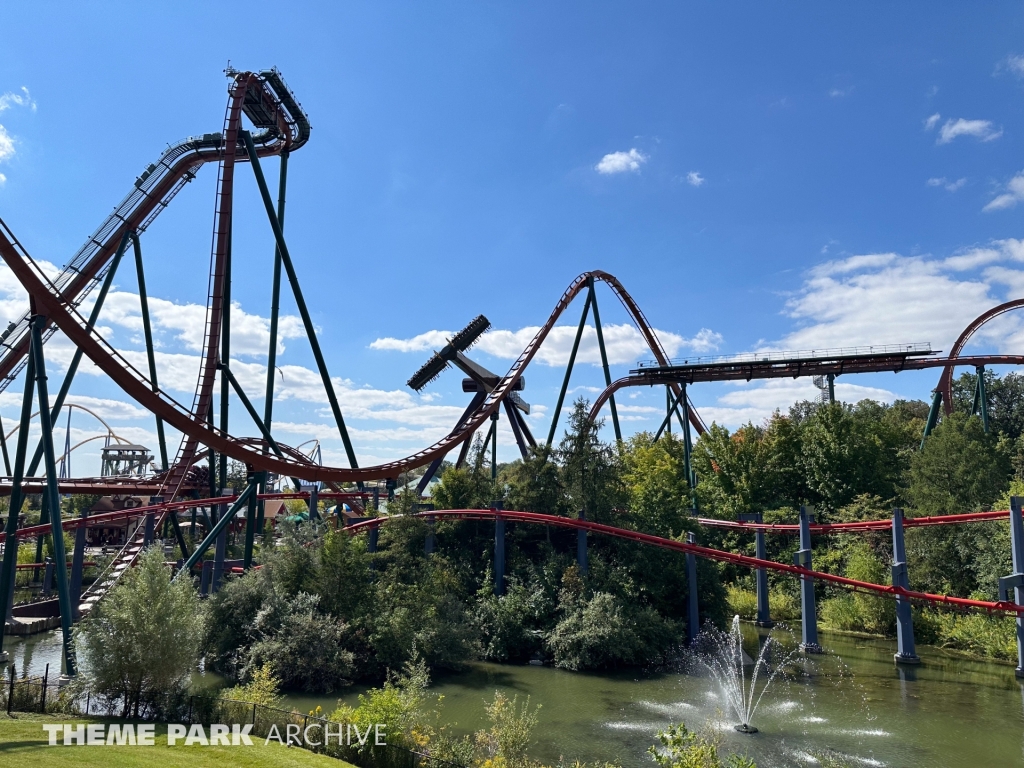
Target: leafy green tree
[
  {"x": 590, "y": 470},
  {"x": 142, "y": 641},
  {"x": 533, "y": 484},
  {"x": 960, "y": 469},
  {"x": 657, "y": 489},
  {"x": 305, "y": 648}
]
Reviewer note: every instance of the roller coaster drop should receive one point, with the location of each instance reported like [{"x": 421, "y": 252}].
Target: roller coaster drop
[{"x": 282, "y": 127}]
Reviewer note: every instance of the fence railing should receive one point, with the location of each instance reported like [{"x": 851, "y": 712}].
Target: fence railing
[{"x": 43, "y": 695}]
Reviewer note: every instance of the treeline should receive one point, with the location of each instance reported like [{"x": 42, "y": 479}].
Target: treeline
[{"x": 857, "y": 462}]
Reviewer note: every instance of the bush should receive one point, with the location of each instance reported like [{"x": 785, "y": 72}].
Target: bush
[
  {"x": 682, "y": 748},
  {"x": 742, "y": 602},
  {"x": 508, "y": 740},
  {"x": 142, "y": 641},
  {"x": 306, "y": 648},
  {"x": 603, "y": 632}
]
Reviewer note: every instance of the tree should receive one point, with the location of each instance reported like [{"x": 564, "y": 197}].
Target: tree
[
  {"x": 960, "y": 469},
  {"x": 142, "y": 641},
  {"x": 533, "y": 484},
  {"x": 590, "y": 472}
]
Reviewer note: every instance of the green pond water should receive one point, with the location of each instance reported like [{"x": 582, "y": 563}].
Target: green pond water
[{"x": 947, "y": 712}]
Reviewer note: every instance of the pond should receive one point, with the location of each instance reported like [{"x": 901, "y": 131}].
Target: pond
[{"x": 947, "y": 712}]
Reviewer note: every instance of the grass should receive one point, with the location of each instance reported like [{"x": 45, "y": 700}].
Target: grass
[{"x": 23, "y": 742}]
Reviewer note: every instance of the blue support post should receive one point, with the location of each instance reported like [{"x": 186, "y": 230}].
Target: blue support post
[
  {"x": 499, "y": 555},
  {"x": 428, "y": 545},
  {"x": 205, "y": 574},
  {"x": 314, "y": 502},
  {"x": 150, "y": 530},
  {"x": 692, "y": 616},
  {"x": 77, "y": 565},
  {"x": 906, "y": 653},
  {"x": 808, "y": 611},
  {"x": 581, "y": 546},
  {"x": 1015, "y": 580},
  {"x": 764, "y": 616}
]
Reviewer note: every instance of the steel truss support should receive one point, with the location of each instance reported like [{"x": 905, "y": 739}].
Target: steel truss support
[
  {"x": 673, "y": 405},
  {"x": 216, "y": 529},
  {"x": 3, "y": 447},
  {"x": 933, "y": 415},
  {"x": 250, "y": 522},
  {"x": 604, "y": 360},
  {"x": 37, "y": 324},
  {"x": 275, "y": 311},
  {"x": 69, "y": 377},
  {"x": 300, "y": 302},
  {"x": 981, "y": 398},
  {"x": 513, "y": 420},
  {"x": 475, "y": 403},
  {"x": 568, "y": 369},
  {"x": 147, "y": 330},
  {"x": 10, "y": 562}
]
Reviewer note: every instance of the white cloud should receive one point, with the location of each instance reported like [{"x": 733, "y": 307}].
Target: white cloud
[
  {"x": 3, "y": 179},
  {"x": 838, "y": 93},
  {"x": 624, "y": 343},
  {"x": 620, "y": 162},
  {"x": 888, "y": 298},
  {"x": 932, "y": 121},
  {"x": 1014, "y": 194},
  {"x": 979, "y": 129},
  {"x": 1014, "y": 64},
  {"x": 946, "y": 184},
  {"x": 428, "y": 340},
  {"x": 23, "y": 99},
  {"x": 6, "y": 145},
  {"x": 694, "y": 178}
]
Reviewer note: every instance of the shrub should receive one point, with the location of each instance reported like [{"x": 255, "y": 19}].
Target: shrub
[
  {"x": 142, "y": 641},
  {"x": 682, "y": 748},
  {"x": 742, "y": 602}
]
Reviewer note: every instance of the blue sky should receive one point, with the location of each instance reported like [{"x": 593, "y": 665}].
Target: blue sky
[{"x": 788, "y": 177}]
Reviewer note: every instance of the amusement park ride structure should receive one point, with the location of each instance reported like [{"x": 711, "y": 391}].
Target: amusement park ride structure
[{"x": 279, "y": 127}]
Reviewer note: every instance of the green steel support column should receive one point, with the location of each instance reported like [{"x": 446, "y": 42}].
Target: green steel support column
[
  {"x": 982, "y": 397},
  {"x": 494, "y": 447},
  {"x": 933, "y": 415},
  {"x": 275, "y": 311},
  {"x": 213, "y": 460},
  {"x": 214, "y": 532},
  {"x": 58, "y": 403},
  {"x": 668, "y": 409},
  {"x": 3, "y": 447},
  {"x": 568, "y": 370},
  {"x": 225, "y": 357},
  {"x": 147, "y": 330},
  {"x": 300, "y": 302},
  {"x": 65, "y": 387},
  {"x": 831, "y": 387},
  {"x": 59, "y": 555},
  {"x": 604, "y": 362},
  {"x": 8, "y": 570},
  {"x": 247, "y": 404},
  {"x": 687, "y": 443},
  {"x": 673, "y": 408},
  {"x": 250, "y": 523}
]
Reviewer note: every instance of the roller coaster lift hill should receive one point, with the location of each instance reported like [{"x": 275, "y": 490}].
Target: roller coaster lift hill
[{"x": 279, "y": 127}]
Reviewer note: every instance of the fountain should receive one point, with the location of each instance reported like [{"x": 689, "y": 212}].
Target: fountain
[{"x": 721, "y": 653}]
